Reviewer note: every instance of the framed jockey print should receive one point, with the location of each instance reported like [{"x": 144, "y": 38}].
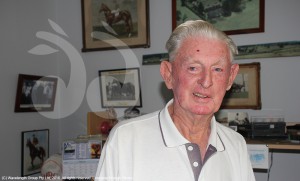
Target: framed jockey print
[
  {"x": 35, "y": 150},
  {"x": 114, "y": 24}
]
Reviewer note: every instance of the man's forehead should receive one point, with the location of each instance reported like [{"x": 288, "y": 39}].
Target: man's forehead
[{"x": 192, "y": 58}]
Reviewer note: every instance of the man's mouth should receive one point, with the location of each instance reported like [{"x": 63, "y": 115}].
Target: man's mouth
[{"x": 200, "y": 95}]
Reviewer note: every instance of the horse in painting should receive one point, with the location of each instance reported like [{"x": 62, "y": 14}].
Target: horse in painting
[{"x": 113, "y": 18}]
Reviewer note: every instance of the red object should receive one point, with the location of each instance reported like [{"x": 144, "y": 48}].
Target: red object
[{"x": 105, "y": 127}]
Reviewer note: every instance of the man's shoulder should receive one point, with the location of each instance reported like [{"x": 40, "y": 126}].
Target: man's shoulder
[
  {"x": 134, "y": 127},
  {"x": 138, "y": 121}
]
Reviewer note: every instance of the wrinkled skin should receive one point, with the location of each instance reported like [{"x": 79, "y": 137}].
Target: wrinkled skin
[{"x": 199, "y": 76}]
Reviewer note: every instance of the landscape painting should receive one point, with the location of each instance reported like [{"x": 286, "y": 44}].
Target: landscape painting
[
  {"x": 268, "y": 50},
  {"x": 230, "y": 16}
]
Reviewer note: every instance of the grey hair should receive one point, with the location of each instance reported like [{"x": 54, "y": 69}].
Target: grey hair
[{"x": 197, "y": 28}]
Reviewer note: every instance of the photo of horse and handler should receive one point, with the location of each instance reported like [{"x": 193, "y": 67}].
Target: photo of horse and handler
[
  {"x": 117, "y": 17},
  {"x": 35, "y": 150}
]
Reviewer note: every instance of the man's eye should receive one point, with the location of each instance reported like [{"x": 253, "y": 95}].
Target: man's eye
[
  {"x": 192, "y": 68},
  {"x": 218, "y": 69}
]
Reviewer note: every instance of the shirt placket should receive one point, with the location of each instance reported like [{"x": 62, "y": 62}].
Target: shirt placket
[{"x": 194, "y": 156}]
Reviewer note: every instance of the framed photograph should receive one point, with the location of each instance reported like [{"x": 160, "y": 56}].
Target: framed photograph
[
  {"x": 245, "y": 91},
  {"x": 113, "y": 24},
  {"x": 35, "y": 93},
  {"x": 120, "y": 88},
  {"x": 230, "y": 16},
  {"x": 35, "y": 150}
]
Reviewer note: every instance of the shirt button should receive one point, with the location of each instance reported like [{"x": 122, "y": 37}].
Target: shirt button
[
  {"x": 195, "y": 164},
  {"x": 190, "y": 148}
]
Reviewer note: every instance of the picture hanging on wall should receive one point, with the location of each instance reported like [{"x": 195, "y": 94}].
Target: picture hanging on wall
[
  {"x": 245, "y": 90},
  {"x": 230, "y": 16},
  {"x": 115, "y": 24},
  {"x": 120, "y": 88},
  {"x": 269, "y": 50},
  {"x": 35, "y": 150},
  {"x": 35, "y": 93}
]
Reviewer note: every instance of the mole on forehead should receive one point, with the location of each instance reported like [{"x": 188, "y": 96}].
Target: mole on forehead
[{"x": 189, "y": 58}]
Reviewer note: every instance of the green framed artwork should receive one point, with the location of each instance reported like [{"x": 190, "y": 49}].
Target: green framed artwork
[{"x": 230, "y": 16}]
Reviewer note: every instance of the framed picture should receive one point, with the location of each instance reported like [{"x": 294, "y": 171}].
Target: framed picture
[
  {"x": 35, "y": 93},
  {"x": 269, "y": 50},
  {"x": 108, "y": 24},
  {"x": 120, "y": 88},
  {"x": 230, "y": 16},
  {"x": 245, "y": 91},
  {"x": 35, "y": 150}
]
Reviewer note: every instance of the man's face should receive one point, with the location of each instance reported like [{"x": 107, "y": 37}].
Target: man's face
[{"x": 200, "y": 75}]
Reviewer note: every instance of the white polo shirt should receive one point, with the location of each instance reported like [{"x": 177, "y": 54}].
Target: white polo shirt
[{"x": 150, "y": 148}]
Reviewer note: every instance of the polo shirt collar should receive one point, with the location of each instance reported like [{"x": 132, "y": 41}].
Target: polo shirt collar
[
  {"x": 170, "y": 133},
  {"x": 172, "y": 137},
  {"x": 214, "y": 138}
]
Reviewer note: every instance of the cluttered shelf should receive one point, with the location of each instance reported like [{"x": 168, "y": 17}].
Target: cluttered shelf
[
  {"x": 276, "y": 144},
  {"x": 289, "y": 130}
]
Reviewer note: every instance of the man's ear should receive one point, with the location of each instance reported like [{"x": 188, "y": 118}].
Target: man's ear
[
  {"x": 233, "y": 72},
  {"x": 166, "y": 73}
]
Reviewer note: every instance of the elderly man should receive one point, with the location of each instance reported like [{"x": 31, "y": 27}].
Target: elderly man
[{"x": 183, "y": 141}]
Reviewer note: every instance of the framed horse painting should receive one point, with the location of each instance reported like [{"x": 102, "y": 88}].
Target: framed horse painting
[
  {"x": 114, "y": 24},
  {"x": 35, "y": 150},
  {"x": 120, "y": 88}
]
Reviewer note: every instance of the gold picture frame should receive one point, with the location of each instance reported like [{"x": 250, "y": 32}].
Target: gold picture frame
[
  {"x": 115, "y": 24},
  {"x": 245, "y": 91}
]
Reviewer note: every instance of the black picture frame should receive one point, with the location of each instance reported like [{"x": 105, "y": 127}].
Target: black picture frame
[
  {"x": 120, "y": 88},
  {"x": 35, "y": 150},
  {"x": 35, "y": 93},
  {"x": 100, "y": 31},
  {"x": 232, "y": 17}
]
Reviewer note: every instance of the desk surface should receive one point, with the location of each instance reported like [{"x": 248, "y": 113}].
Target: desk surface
[{"x": 276, "y": 144}]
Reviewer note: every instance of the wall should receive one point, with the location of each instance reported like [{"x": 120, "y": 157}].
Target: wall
[{"x": 20, "y": 20}]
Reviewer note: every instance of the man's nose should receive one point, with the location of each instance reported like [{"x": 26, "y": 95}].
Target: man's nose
[{"x": 205, "y": 79}]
